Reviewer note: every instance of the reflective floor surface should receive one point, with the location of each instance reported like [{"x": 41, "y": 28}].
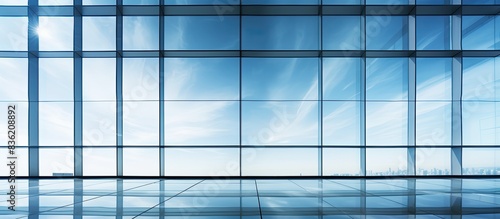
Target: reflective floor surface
[{"x": 249, "y": 199}]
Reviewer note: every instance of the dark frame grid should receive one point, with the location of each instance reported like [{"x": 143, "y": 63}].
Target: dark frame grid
[{"x": 78, "y": 11}]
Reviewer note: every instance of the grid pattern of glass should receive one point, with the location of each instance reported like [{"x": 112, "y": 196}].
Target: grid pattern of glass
[{"x": 251, "y": 87}]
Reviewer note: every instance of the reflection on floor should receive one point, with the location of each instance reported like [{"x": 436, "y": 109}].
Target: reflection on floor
[{"x": 224, "y": 199}]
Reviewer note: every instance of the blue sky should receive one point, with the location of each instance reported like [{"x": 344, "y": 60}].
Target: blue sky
[{"x": 280, "y": 95}]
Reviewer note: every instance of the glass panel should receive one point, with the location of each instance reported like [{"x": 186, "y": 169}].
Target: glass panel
[
  {"x": 341, "y": 78},
  {"x": 479, "y": 2},
  {"x": 99, "y": 33},
  {"x": 202, "y": 162},
  {"x": 341, "y": 162},
  {"x": 141, "y": 79},
  {"x": 21, "y": 129},
  {"x": 55, "y": 80},
  {"x": 341, "y": 123},
  {"x": 202, "y": 78},
  {"x": 341, "y": 2},
  {"x": 386, "y": 161},
  {"x": 280, "y": 32},
  {"x": 480, "y": 32},
  {"x": 56, "y": 161},
  {"x": 55, "y": 2},
  {"x": 433, "y": 123},
  {"x": 140, "y": 123},
  {"x": 99, "y": 79},
  {"x": 14, "y": 35},
  {"x": 481, "y": 79},
  {"x": 280, "y": 79},
  {"x": 14, "y": 79},
  {"x": 55, "y": 123},
  {"x": 13, "y": 2},
  {"x": 202, "y": 123},
  {"x": 279, "y": 2},
  {"x": 481, "y": 123},
  {"x": 386, "y": 78},
  {"x": 21, "y": 163},
  {"x": 434, "y": 2},
  {"x": 141, "y": 162},
  {"x": 279, "y": 162},
  {"x": 225, "y": 5},
  {"x": 55, "y": 33},
  {"x": 99, "y": 2},
  {"x": 433, "y": 32},
  {"x": 280, "y": 123},
  {"x": 341, "y": 32},
  {"x": 488, "y": 164},
  {"x": 99, "y": 123},
  {"x": 386, "y": 123},
  {"x": 385, "y": 2},
  {"x": 140, "y": 32},
  {"x": 386, "y": 32},
  {"x": 99, "y": 161},
  {"x": 433, "y": 161},
  {"x": 140, "y": 2},
  {"x": 219, "y": 32},
  {"x": 434, "y": 78}
]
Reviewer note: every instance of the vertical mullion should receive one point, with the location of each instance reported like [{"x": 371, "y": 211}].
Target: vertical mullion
[
  {"x": 362, "y": 107},
  {"x": 77, "y": 86},
  {"x": 320, "y": 91},
  {"x": 162, "y": 89},
  {"x": 240, "y": 89},
  {"x": 33, "y": 153},
  {"x": 119, "y": 89}
]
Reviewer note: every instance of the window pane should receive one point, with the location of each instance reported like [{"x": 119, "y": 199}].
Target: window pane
[
  {"x": 55, "y": 2},
  {"x": 341, "y": 78},
  {"x": 99, "y": 2},
  {"x": 99, "y": 162},
  {"x": 140, "y": 2},
  {"x": 21, "y": 123},
  {"x": 55, "y": 33},
  {"x": 141, "y": 162},
  {"x": 433, "y": 32},
  {"x": 99, "y": 79},
  {"x": 278, "y": 2},
  {"x": 202, "y": 123},
  {"x": 481, "y": 79},
  {"x": 488, "y": 164},
  {"x": 55, "y": 80},
  {"x": 14, "y": 35},
  {"x": 140, "y": 123},
  {"x": 386, "y": 78},
  {"x": 279, "y": 162},
  {"x": 202, "y": 78},
  {"x": 341, "y": 32},
  {"x": 386, "y": 161},
  {"x": 481, "y": 123},
  {"x": 202, "y": 162},
  {"x": 433, "y": 121},
  {"x": 478, "y": 2},
  {"x": 385, "y": 2},
  {"x": 433, "y": 161},
  {"x": 99, "y": 123},
  {"x": 280, "y": 79},
  {"x": 56, "y": 161},
  {"x": 219, "y": 32},
  {"x": 341, "y": 123},
  {"x": 141, "y": 79},
  {"x": 386, "y": 123},
  {"x": 99, "y": 33},
  {"x": 386, "y": 32},
  {"x": 280, "y": 32},
  {"x": 14, "y": 79},
  {"x": 480, "y": 32},
  {"x": 434, "y": 78},
  {"x": 280, "y": 123},
  {"x": 341, "y": 2},
  {"x": 13, "y": 2},
  {"x": 434, "y": 2},
  {"x": 140, "y": 33},
  {"x": 341, "y": 162},
  {"x": 56, "y": 123},
  {"x": 21, "y": 163}
]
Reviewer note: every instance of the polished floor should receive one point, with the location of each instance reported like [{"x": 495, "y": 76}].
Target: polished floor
[{"x": 249, "y": 199}]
